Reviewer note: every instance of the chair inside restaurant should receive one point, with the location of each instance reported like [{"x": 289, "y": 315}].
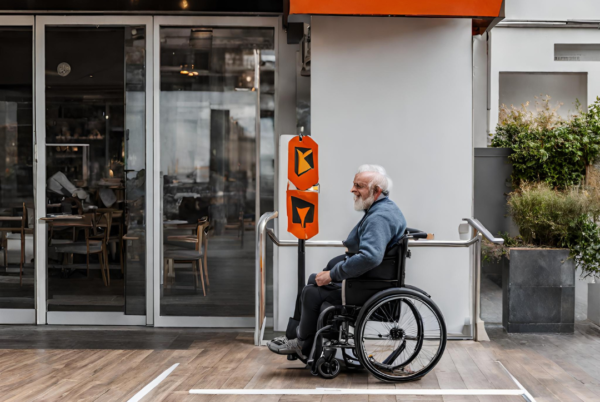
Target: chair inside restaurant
[
  {"x": 95, "y": 153},
  {"x": 217, "y": 97}
]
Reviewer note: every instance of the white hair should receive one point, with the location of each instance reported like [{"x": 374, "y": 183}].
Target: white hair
[{"x": 381, "y": 179}]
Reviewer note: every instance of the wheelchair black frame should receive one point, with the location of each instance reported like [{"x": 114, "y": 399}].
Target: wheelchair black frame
[{"x": 352, "y": 314}]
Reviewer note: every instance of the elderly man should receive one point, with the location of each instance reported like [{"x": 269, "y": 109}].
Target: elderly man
[{"x": 380, "y": 228}]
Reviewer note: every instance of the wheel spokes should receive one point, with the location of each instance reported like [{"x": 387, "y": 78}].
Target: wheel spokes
[{"x": 402, "y": 336}]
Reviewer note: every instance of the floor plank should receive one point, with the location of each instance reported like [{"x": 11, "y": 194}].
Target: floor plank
[
  {"x": 552, "y": 367},
  {"x": 472, "y": 376}
]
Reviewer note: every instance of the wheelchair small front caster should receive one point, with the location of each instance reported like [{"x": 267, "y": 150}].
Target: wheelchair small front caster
[
  {"x": 328, "y": 369},
  {"x": 292, "y": 357}
]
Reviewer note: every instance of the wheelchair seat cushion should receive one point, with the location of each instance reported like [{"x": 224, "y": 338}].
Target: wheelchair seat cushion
[
  {"x": 325, "y": 305},
  {"x": 355, "y": 292}
]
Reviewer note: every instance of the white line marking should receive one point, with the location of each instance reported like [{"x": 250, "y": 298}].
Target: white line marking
[
  {"x": 357, "y": 391},
  {"x": 526, "y": 393},
  {"x": 144, "y": 391},
  {"x": 381, "y": 391}
]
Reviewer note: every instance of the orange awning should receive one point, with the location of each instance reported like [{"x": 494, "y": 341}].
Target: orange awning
[{"x": 416, "y": 8}]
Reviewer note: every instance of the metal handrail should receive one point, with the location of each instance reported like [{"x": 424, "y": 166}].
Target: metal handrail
[
  {"x": 308, "y": 243},
  {"x": 475, "y": 224},
  {"x": 412, "y": 243},
  {"x": 261, "y": 250}
]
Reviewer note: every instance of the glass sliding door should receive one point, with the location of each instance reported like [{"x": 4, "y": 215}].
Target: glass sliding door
[
  {"x": 17, "y": 280},
  {"x": 94, "y": 204},
  {"x": 216, "y": 138},
  {"x": 134, "y": 171}
]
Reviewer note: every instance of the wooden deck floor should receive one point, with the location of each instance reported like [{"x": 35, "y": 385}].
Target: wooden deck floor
[{"x": 113, "y": 364}]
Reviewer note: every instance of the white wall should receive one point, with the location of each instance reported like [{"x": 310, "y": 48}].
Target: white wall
[
  {"x": 480, "y": 90},
  {"x": 552, "y": 10},
  {"x": 532, "y": 50},
  {"x": 564, "y": 89},
  {"x": 396, "y": 92}
]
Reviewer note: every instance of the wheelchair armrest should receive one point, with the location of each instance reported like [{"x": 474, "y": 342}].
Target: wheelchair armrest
[{"x": 356, "y": 291}]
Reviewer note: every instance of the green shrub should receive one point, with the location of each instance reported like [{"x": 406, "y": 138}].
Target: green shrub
[
  {"x": 584, "y": 243},
  {"x": 547, "y": 148},
  {"x": 556, "y": 219},
  {"x": 544, "y": 215}
]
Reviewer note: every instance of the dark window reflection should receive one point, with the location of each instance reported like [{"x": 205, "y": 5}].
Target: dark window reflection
[
  {"x": 217, "y": 96},
  {"x": 95, "y": 144},
  {"x": 16, "y": 168}
]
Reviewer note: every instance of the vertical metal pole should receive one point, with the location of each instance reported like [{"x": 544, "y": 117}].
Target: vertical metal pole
[
  {"x": 301, "y": 264},
  {"x": 301, "y": 255},
  {"x": 261, "y": 250},
  {"x": 41, "y": 231},
  {"x": 154, "y": 196},
  {"x": 107, "y": 141},
  {"x": 480, "y": 333},
  {"x": 261, "y": 236},
  {"x": 257, "y": 131}
]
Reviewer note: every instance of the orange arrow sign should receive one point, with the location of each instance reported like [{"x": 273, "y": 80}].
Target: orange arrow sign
[
  {"x": 303, "y": 162},
  {"x": 303, "y": 213}
]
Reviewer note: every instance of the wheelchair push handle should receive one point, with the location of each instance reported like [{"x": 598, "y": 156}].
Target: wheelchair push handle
[{"x": 416, "y": 233}]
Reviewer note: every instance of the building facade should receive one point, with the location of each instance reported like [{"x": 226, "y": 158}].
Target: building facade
[{"x": 141, "y": 144}]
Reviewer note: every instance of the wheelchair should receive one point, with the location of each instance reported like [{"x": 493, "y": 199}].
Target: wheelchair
[{"x": 391, "y": 329}]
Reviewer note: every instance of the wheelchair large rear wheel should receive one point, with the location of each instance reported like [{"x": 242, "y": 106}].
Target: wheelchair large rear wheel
[{"x": 401, "y": 336}]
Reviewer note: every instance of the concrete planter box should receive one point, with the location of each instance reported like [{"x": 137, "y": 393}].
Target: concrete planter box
[
  {"x": 539, "y": 291},
  {"x": 594, "y": 303}
]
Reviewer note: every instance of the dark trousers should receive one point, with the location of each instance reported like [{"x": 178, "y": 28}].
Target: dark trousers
[{"x": 311, "y": 300}]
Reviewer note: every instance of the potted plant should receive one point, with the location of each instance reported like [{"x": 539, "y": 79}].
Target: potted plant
[
  {"x": 539, "y": 281},
  {"x": 555, "y": 210}
]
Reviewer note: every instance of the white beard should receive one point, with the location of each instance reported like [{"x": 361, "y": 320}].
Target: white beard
[{"x": 362, "y": 204}]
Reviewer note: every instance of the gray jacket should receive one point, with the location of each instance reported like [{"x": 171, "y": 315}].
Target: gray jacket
[{"x": 381, "y": 227}]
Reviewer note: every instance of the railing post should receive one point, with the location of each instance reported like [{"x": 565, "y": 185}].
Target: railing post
[
  {"x": 480, "y": 334},
  {"x": 260, "y": 274}
]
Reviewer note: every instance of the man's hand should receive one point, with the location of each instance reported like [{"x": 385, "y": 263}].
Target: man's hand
[{"x": 323, "y": 278}]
